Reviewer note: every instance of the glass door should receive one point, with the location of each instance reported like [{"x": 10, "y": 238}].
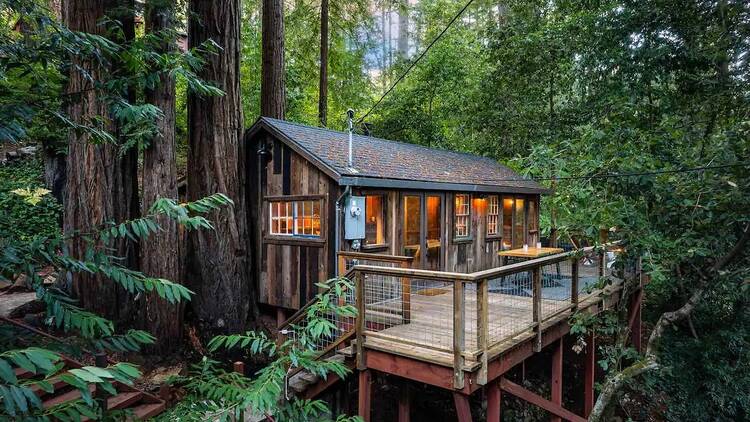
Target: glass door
[
  {"x": 433, "y": 233},
  {"x": 412, "y": 229},
  {"x": 422, "y": 230}
]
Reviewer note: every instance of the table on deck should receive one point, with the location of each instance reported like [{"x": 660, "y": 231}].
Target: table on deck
[{"x": 530, "y": 253}]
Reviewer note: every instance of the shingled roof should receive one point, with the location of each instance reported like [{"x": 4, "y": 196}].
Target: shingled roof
[{"x": 384, "y": 163}]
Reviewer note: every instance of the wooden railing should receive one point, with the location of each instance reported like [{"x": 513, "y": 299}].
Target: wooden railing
[
  {"x": 467, "y": 315},
  {"x": 345, "y": 326}
]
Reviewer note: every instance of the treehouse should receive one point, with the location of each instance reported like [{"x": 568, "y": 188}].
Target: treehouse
[{"x": 452, "y": 286}]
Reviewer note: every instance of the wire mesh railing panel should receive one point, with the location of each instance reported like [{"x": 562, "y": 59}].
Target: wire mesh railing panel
[
  {"x": 557, "y": 287},
  {"x": 417, "y": 312},
  {"x": 333, "y": 327},
  {"x": 589, "y": 273},
  {"x": 510, "y": 306}
]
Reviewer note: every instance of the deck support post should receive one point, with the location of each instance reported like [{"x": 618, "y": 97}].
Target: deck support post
[
  {"x": 634, "y": 318},
  {"x": 589, "y": 368},
  {"x": 459, "y": 333},
  {"x": 365, "y": 394},
  {"x": 360, "y": 322},
  {"x": 537, "y": 400},
  {"x": 557, "y": 375},
  {"x": 482, "y": 329},
  {"x": 405, "y": 296},
  {"x": 494, "y": 402},
  {"x": 574, "y": 283},
  {"x": 536, "y": 296},
  {"x": 463, "y": 408},
  {"x": 404, "y": 403}
]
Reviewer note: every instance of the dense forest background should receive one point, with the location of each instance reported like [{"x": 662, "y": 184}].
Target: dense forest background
[{"x": 636, "y": 113}]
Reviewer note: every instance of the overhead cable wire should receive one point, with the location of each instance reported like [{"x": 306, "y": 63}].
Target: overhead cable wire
[
  {"x": 616, "y": 175},
  {"x": 415, "y": 61}
]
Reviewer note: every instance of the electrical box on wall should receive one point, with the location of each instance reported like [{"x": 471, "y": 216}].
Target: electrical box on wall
[{"x": 354, "y": 218}]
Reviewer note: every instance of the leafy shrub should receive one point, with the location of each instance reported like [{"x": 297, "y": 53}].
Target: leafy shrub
[{"x": 17, "y": 219}]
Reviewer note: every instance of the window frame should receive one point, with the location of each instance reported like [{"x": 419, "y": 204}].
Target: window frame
[
  {"x": 294, "y": 237},
  {"x": 498, "y": 235},
  {"x": 384, "y": 215},
  {"x": 468, "y": 215}
]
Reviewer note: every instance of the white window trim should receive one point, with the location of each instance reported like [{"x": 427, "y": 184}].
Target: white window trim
[
  {"x": 466, "y": 216},
  {"x": 295, "y": 217}
]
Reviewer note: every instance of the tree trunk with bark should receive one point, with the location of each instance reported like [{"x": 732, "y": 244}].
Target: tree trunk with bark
[
  {"x": 323, "y": 84},
  {"x": 101, "y": 182},
  {"x": 160, "y": 255},
  {"x": 218, "y": 259},
  {"x": 403, "y": 30},
  {"x": 272, "y": 90}
]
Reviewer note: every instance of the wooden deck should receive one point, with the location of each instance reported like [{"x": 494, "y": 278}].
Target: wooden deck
[
  {"x": 467, "y": 321},
  {"x": 431, "y": 324}
]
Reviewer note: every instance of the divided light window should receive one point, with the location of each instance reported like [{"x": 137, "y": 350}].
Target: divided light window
[
  {"x": 493, "y": 215},
  {"x": 374, "y": 220},
  {"x": 295, "y": 218},
  {"x": 462, "y": 216}
]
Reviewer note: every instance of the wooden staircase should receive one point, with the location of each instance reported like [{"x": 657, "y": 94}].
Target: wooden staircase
[
  {"x": 139, "y": 405},
  {"x": 306, "y": 385}
]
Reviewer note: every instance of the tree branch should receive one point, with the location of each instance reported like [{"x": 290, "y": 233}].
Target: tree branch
[{"x": 650, "y": 360}]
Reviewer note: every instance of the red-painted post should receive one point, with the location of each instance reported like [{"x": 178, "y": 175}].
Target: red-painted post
[
  {"x": 494, "y": 402},
  {"x": 404, "y": 403},
  {"x": 463, "y": 409},
  {"x": 557, "y": 376},
  {"x": 365, "y": 395},
  {"x": 589, "y": 375}
]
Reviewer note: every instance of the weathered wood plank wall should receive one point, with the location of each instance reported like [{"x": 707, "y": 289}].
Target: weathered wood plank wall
[{"x": 291, "y": 267}]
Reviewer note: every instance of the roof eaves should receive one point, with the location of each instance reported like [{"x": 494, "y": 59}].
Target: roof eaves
[
  {"x": 268, "y": 125},
  {"x": 378, "y": 182}
]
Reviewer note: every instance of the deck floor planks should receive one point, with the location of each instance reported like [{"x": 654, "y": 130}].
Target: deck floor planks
[{"x": 431, "y": 322}]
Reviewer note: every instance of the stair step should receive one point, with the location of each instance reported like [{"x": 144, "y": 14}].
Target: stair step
[
  {"x": 66, "y": 397},
  {"x": 123, "y": 400},
  {"x": 23, "y": 373},
  {"x": 147, "y": 410},
  {"x": 347, "y": 352},
  {"x": 336, "y": 358},
  {"x": 56, "y": 383},
  {"x": 309, "y": 377}
]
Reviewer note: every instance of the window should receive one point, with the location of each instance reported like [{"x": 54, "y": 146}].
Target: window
[
  {"x": 374, "y": 220},
  {"x": 462, "y": 216},
  {"x": 493, "y": 215},
  {"x": 295, "y": 218}
]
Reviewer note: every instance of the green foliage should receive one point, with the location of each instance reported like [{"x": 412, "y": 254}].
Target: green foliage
[
  {"x": 18, "y": 394},
  {"x": 37, "y": 59},
  {"x": 218, "y": 394},
  {"x": 349, "y": 86},
  {"x": 580, "y": 91},
  {"x": 17, "y": 218}
]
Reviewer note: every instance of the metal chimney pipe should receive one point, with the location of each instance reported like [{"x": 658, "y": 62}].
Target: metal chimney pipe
[{"x": 350, "y": 118}]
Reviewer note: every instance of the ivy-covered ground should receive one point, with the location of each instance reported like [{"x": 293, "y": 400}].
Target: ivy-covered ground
[{"x": 17, "y": 219}]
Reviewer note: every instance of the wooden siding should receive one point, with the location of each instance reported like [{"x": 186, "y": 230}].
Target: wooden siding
[{"x": 290, "y": 267}]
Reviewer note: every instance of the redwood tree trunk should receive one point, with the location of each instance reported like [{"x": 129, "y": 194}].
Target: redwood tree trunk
[
  {"x": 323, "y": 85},
  {"x": 217, "y": 259},
  {"x": 100, "y": 182},
  {"x": 160, "y": 254},
  {"x": 272, "y": 91}
]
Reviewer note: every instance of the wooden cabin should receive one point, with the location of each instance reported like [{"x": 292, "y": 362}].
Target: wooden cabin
[
  {"x": 425, "y": 235},
  {"x": 447, "y": 210}
]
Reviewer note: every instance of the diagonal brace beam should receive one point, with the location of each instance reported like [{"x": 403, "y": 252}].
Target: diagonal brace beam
[{"x": 524, "y": 394}]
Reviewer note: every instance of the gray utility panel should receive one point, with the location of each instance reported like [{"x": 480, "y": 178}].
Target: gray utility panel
[{"x": 354, "y": 218}]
